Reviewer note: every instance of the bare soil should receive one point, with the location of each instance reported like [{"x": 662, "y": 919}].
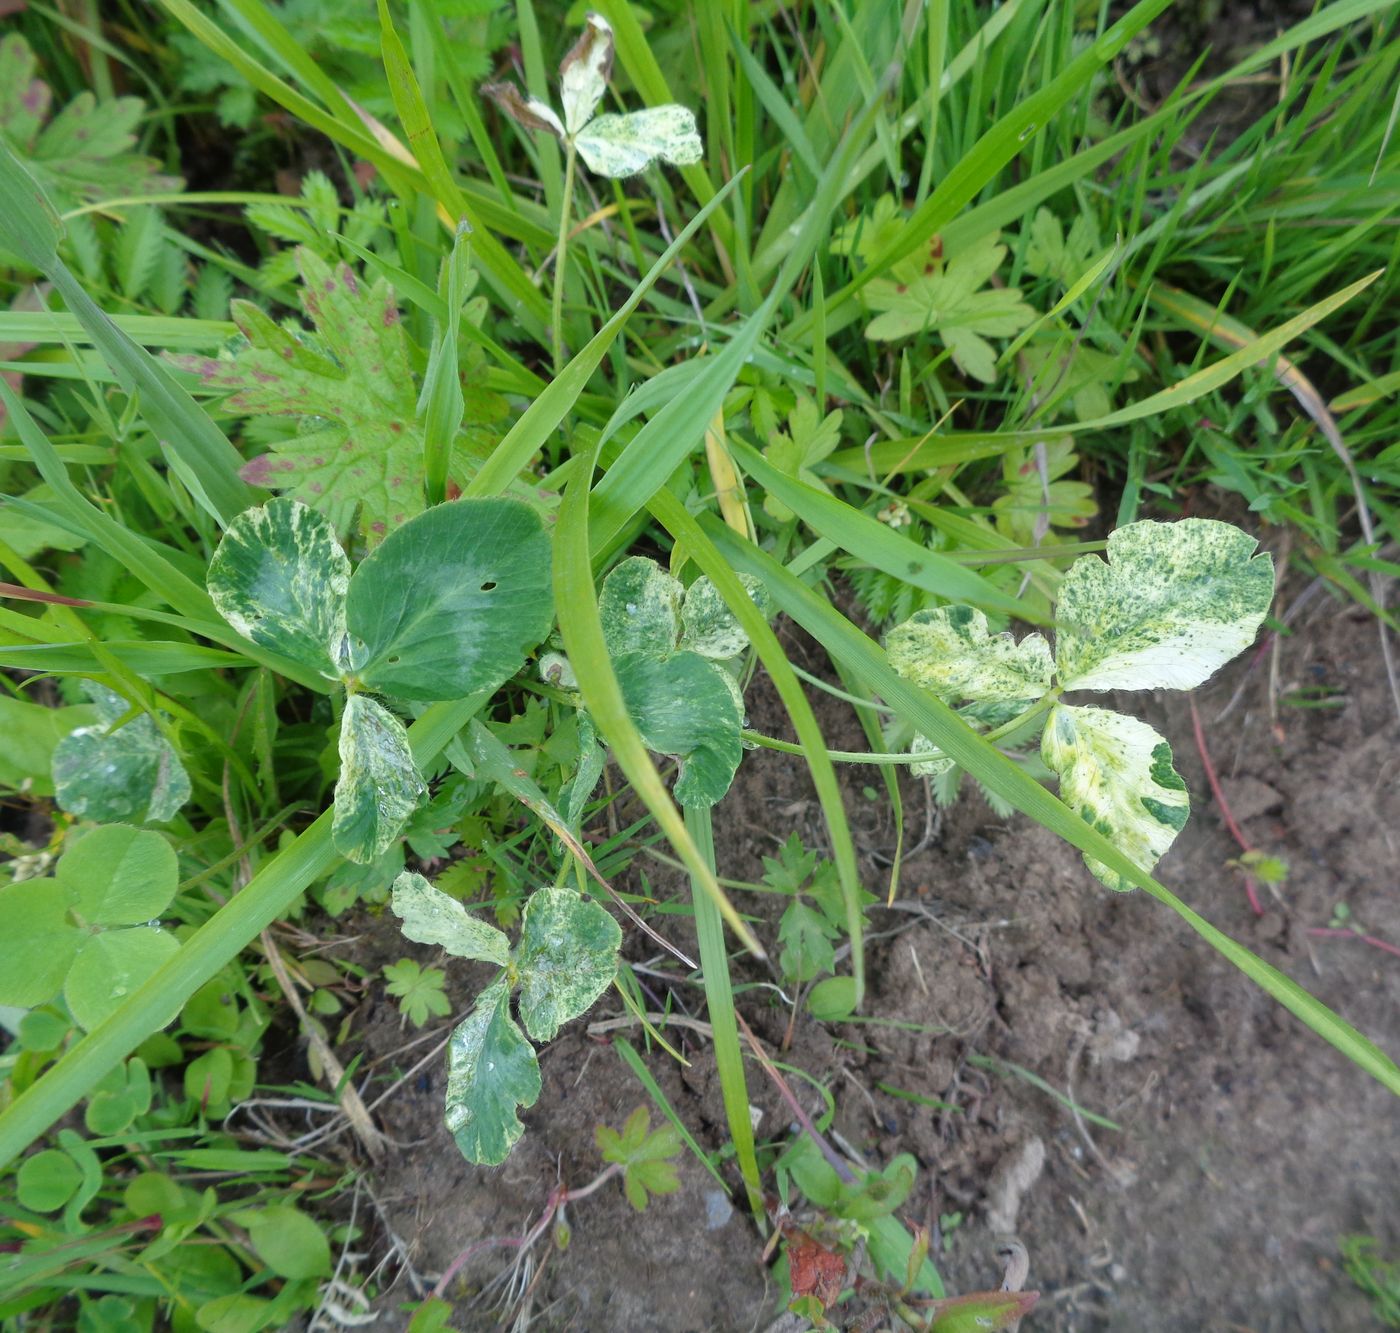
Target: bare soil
[{"x": 1246, "y": 1145}]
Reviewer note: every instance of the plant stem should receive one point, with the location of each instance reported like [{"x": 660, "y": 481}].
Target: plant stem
[{"x": 561, "y": 254}]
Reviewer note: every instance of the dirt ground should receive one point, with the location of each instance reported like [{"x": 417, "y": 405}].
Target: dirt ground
[{"x": 1247, "y": 1146}]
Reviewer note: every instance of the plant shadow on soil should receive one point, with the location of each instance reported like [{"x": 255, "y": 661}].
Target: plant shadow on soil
[{"x": 1247, "y": 1146}]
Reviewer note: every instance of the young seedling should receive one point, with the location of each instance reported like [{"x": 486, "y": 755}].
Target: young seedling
[
  {"x": 447, "y": 605},
  {"x": 565, "y": 958},
  {"x": 1173, "y": 604}
]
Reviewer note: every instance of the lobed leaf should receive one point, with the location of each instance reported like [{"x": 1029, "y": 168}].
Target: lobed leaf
[
  {"x": 566, "y": 958},
  {"x": 280, "y": 578},
  {"x": 1116, "y": 773},
  {"x": 952, "y": 654},
  {"x": 1173, "y": 604},
  {"x": 429, "y": 916},
  {"x": 491, "y": 1072},
  {"x": 379, "y": 786}
]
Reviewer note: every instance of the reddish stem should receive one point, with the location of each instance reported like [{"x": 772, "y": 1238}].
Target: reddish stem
[
  {"x": 1224, "y": 805},
  {"x": 1340, "y": 932}
]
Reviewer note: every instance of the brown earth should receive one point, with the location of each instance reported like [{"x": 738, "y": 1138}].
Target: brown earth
[{"x": 1246, "y": 1146}]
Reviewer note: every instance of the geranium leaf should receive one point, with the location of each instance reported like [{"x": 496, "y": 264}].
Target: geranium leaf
[
  {"x": 37, "y": 941},
  {"x": 951, "y": 653},
  {"x": 379, "y": 785},
  {"x": 429, "y": 916},
  {"x": 280, "y": 577},
  {"x": 112, "y": 965},
  {"x": 491, "y": 1071},
  {"x": 453, "y": 600},
  {"x": 566, "y": 958},
  {"x": 1117, "y": 774},
  {"x": 639, "y": 605},
  {"x": 1172, "y": 605},
  {"x": 110, "y": 776},
  {"x": 620, "y": 146},
  {"x": 683, "y": 706},
  {"x": 117, "y": 875}
]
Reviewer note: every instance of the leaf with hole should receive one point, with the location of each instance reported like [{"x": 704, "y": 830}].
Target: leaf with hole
[
  {"x": 429, "y": 916},
  {"x": 280, "y": 578},
  {"x": 1116, "y": 773},
  {"x": 380, "y": 785},
  {"x": 566, "y": 958},
  {"x": 491, "y": 1072},
  {"x": 1173, "y": 603}
]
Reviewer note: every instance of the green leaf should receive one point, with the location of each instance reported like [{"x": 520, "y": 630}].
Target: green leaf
[
  {"x": 452, "y": 601},
  {"x": 47, "y": 1180},
  {"x": 117, "y": 875},
  {"x": 566, "y": 958},
  {"x": 235, "y": 1313},
  {"x": 1116, "y": 773},
  {"x": 110, "y": 776},
  {"x": 379, "y": 786},
  {"x": 806, "y": 937},
  {"x": 833, "y": 1000},
  {"x": 950, "y": 300},
  {"x": 950, "y": 652},
  {"x": 682, "y": 706},
  {"x": 709, "y": 627},
  {"x": 429, "y": 916},
  {"x": 32, "y": 733},
  {"x": 288, "y": 1241},
  {"x": 419, "y": 990},
  {"x": 491, "y": 1071},
  {"x": 361, "y": 446},
  {"x": 1032, "y": 505},
  {"x": 644, "y": 1156},
  {"x": 639, "y": 606},
  {"x": 982, "y": 1311},
  {"x": 1172, "y": 605},
  {"x": 111, "y": 966},
  {"x": 37, "y": 941},
  {"x": 280, "y": 578}
]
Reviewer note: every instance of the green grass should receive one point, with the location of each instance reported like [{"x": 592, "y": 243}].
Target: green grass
[{"x": 674, "y": 363}]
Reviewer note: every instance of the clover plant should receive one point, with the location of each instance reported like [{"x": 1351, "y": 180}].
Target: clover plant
[
  {"x": 1173, "y": 604},
  {"x": 447, "y": 605},
  {"x": 564, "y": 960}
]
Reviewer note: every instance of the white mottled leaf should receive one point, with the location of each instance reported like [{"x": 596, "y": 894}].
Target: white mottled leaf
[
  {"x": 379, "y": 785},
  {"x": 709, "y": 627},
  {"x": 624, "y": 145},
  {"x": 640, "y": 608},
  {"x": 491, "y": 1072},
  {"x": 1172, "y": 605},
  {"x": 429, "y": 916},
  {"x": 935, "y": 765},
  {"x": 566, "y": 958},
  {"x": 949, "y": 651},
  {"x": 583, "y": 73},
  {"x": 1116, "y": 773},
  {"x": 280, "y": 577}
]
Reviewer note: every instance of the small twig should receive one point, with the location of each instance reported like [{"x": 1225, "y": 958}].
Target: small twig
[{"x": 1250, "y": 891}]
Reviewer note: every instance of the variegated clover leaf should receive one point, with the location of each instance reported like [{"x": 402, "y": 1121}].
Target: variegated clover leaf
[
  {"x": 447, "y": 605},
  {"x": 357, "y": 455},
  {"x": 109, "y": 772},
  {"x": 671, "y": 649},
  {"x": 1173, "y": 603},
  {"x": 565, "y": 959},
  {"x": 610, "y": 145}
]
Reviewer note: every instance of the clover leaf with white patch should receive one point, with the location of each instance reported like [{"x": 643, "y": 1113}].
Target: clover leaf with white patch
[
  {"x": 610, "y": 145},
  {"x": 1171, "y": 605}
]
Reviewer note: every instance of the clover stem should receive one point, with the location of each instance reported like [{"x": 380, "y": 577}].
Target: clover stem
[
  {"x": 1042, "y": 705},
  {"x": 561, "y": 252}
]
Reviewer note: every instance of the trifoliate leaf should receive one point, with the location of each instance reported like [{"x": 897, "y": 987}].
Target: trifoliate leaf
[
  {"x": 452, "y": 601},
  {"x": 954, "y": 303},
  {"x": 950, "y": 652},
  {"x": 111, "y": 966},
  {"x": 1116, "y": 773},
  {"x": 83, "y": 153},
  {"x": 132, "y": 773},
  {"x": 361, "y": 444},
  {"x": 116, "y": 875},
  {"x": 429, "y": 916},
  {"x": 683, "y": 706},
  {"x": 38, "y": 941},
  {"x": 491, "y": 1071},
  {"x": 566, "y": 958},
  {"x": 280, "y": 577},
  {"x": 640, "y": 608},
  {"x": 379, "y": 786},
  {"x": 709, "y": 627},
  {"x": 620, "y": 146},
  {"x": 1173, "y": 604}
]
